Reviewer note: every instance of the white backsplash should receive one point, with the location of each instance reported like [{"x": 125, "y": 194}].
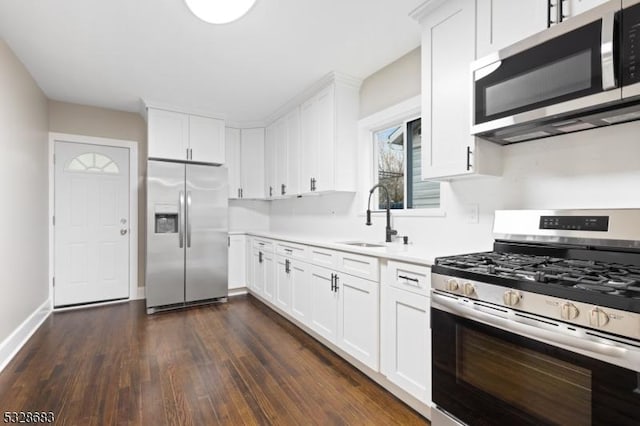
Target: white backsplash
[{"x": 594, "y": 169}]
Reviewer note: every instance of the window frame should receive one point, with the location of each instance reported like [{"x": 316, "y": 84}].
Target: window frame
[{"x": 401, "y": 113}]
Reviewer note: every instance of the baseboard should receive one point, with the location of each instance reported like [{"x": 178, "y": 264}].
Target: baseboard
[
  {"x": 237, "y": 291},
  {"x": 12, "y": 344},
  {"x": 140, "y": 295}
]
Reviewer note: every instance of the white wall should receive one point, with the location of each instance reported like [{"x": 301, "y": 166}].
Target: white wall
[
  {"x": 24, "y": 194},
  {"x": 248, "y": 215},
  {"x": 594, "y": 169}
]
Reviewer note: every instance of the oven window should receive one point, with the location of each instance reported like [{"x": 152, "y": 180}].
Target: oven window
[{"x": 546, "y": 387}]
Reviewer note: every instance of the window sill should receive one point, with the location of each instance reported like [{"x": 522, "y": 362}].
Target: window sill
[{"x": 439, "y": 212}]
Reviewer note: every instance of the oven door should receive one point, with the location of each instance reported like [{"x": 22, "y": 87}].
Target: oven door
[
  {"x": 486, "y": 375},
  {"x": 567, "y": 68}
]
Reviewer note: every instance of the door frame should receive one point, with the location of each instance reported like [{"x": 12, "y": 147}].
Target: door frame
[{"x": 132, "y": 146}]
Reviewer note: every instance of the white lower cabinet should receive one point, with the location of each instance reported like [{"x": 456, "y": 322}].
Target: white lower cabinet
[
  {"x": 406, "y": 341},
  {"x": 301, "y": 294},
  {"x": 324, "y": 310},
  {"x": 358, "y": 318},
  {"x": 345, "y": 312},
  {"x": 263, "y": 273}
]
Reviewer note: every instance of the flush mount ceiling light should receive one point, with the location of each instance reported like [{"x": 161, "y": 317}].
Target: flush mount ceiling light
[{"x": 219, "y": 11}]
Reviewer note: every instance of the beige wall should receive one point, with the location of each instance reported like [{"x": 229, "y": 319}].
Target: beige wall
[
  {"x": 92, "y": 121},
  {"x": 397, "y": 82},
  {"x": 24, "y": 193}
]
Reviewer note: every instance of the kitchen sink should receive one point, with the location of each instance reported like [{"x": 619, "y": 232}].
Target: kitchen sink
[{"x": 362, "y": 244}]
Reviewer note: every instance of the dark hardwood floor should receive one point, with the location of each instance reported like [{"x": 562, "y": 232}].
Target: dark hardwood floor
[{"x": 234, "y": 363}]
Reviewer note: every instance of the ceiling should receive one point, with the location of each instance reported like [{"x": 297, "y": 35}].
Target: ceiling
[{"x": 114, "y": 53}]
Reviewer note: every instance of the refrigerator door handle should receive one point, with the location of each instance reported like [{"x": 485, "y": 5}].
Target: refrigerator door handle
[
  {"x": 188, "y": 214},
  {"x": 180, "y": 215}
]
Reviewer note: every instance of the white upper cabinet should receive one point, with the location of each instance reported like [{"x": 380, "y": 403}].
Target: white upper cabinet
[
  {"x": 270, "y": 162},
  {"x": 206, "y": 139},
  {"x": 168, "y": 134},
  {"x": 292, "y": 182},
  {"x": 233, "y": 161},
  {"x": 328, "y": 123},
  {"x": 571, "y": 8},
  {"x": 448, "y": 48},
  {"x": 252, "y": 163},
  {"x": 178, "y": 136},
  {"x": 504, "y": 22},
  {"x": 245, "y": 161}
]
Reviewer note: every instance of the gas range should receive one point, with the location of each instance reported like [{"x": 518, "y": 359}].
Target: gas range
[
  {"x": 579, "y": 266},
  {"x": 544, "y": 329}
]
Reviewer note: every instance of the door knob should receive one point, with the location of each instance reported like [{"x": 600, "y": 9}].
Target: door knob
[{"x": 123, "y": 231}]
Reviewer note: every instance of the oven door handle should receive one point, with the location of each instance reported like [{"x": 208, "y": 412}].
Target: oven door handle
[{"x": 511, "y": 323}]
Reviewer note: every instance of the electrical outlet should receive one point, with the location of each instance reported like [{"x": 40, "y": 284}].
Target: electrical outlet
[{"x": 473, "y": 213}]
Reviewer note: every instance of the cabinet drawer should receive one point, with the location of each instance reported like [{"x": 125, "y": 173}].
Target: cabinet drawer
[
  {"x": 291, "y": 250},
  {"x": 358, "y": 265},
  {"x": 323, "y": 257},
  {"x": 262, "y": 244},
  {"x": 407, "y": 276}
]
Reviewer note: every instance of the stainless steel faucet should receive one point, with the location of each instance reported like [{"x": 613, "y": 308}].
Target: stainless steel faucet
[{"x": 388, "y": 231}]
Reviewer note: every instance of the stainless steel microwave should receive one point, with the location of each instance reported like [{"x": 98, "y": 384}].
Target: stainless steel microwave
[{"x": 578, "y": 75}]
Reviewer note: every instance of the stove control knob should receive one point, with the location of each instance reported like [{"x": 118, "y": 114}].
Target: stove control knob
[
  {"x": 452, "y": 285},
  {"x": 469, "y": 289},
  {"x": 511, "y": 297},
  {"x": 598, "y": 317},
  {"x": 568, "y": 311}
]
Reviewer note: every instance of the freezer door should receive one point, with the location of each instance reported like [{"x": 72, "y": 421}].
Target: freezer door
[
  {"x": 206, "y": 232},
  {"x": 166, "y": 198}
]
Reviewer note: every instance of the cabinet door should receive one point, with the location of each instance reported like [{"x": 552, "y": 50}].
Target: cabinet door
[
  {"x": 237, "y": 261},
  {"x": 248, "y": 252},
  {"x": 269, "y": 271},
  {"x": 232, "y": 154},
  {"x": 301, "y": 292},
  {"x": 168, "y": 134},
  {"x": 257, "y": 271},
  {"x": 504, "y": 22},
  {"x": 293, "y": 152},
  {"x": 324, "y": 308},
  {"x": 448, "y": 46},
  {"x": 270, "y": 162},
  {"x": 406, "y": 341},
  {"x": 282, "y": 297},
  {"x": 358, "y": 318},
  {"x": 281, "y": 158},
  {"x": 252, "y": 156},
  {"x": 309, "y": 143},
  {"x": 206, "y": 139},
  {"x": 572, "y": 8},
  {"x": 326, "y": 140}
]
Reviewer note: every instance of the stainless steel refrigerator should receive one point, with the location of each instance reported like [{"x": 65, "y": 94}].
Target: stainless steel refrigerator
[{"x": 186, "y": 234}]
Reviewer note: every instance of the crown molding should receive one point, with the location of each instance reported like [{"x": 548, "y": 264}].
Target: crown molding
[
  {"x": 425, "y": 9},
  {"x": 145, "y": 104}
]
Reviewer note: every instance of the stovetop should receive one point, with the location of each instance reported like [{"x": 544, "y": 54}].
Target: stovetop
[{"x": 600, "y": 282}]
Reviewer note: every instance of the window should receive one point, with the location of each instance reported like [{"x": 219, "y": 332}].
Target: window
[
  {"x": 398, "y": 166},
  {"x": 94, "y": 163}
]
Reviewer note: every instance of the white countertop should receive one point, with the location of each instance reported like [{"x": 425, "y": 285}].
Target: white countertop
[{"x": 395, "y": 251}]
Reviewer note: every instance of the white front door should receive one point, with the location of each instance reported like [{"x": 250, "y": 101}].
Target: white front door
[{"x": 91, "y": 232}]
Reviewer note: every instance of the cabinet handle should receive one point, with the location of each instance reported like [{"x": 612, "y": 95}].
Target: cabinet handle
[
  {"x": 415, "y": 280},
  {"x": 190, "y": 153},
  {"x": 311, "y": 184},
  {"x": 270, "y": 191},
  {"x": 241, "y": 193},
  {"x": 469, "y": 152},
  {"x": 259, "y": 257},
  {"x": 287, "y": 266},
  {"x": 187, "y": 153},
  {"x": 288, "y": 250},
  {"x": 335, "y": 286},
  {"x": 284, "y": 189},
  {"x": 333, "y": 277}
]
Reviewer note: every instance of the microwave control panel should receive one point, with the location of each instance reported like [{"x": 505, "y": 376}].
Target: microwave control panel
[{"x": 630, "y": 45}]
